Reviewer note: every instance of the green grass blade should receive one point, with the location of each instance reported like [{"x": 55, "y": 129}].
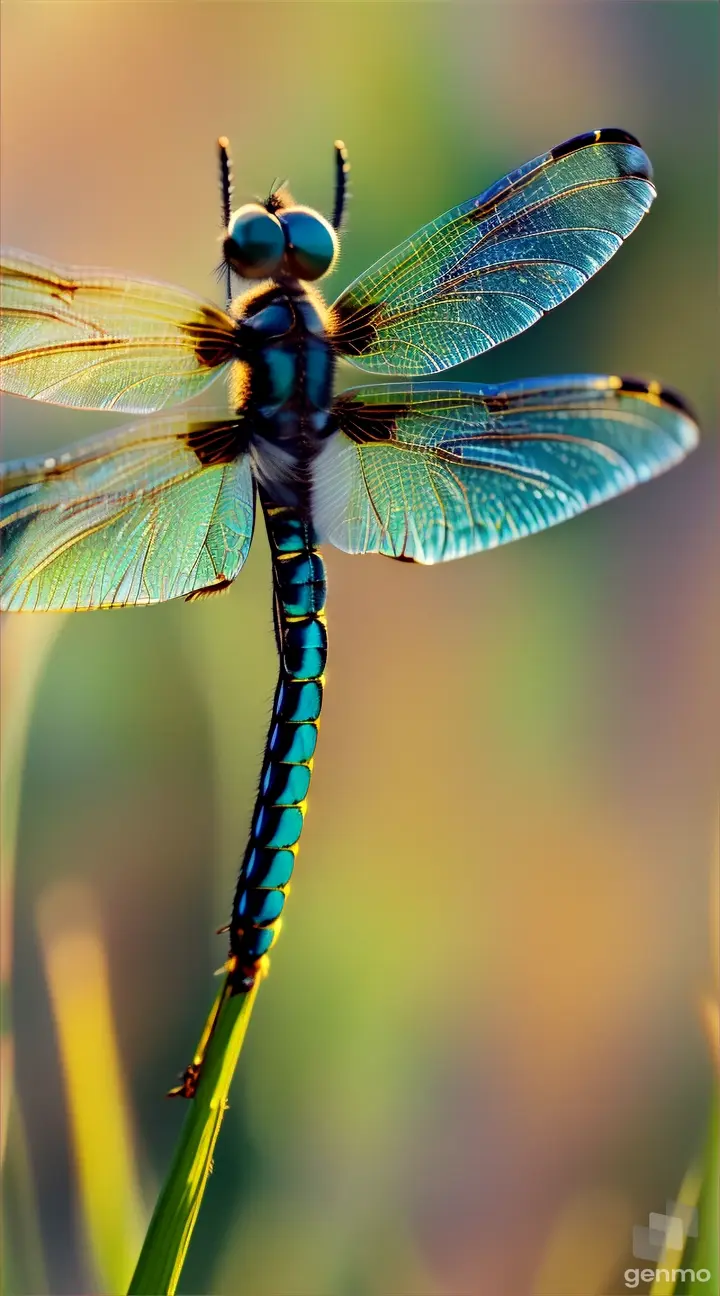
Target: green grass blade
[
  {"x": 26, "y": 645},
  {"x": 677, "y": 1271},
  {"x": 168, "y": 1237},
  {"x": 23, "y": 1260},
  {"x": 704, "y": 1253},
  {"x": 678, "y": 1268},
  {"x": 671, "y": 1260},
  {"x": 111, "y": 1213}
]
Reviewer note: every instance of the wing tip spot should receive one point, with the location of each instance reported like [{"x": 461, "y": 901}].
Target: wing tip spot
[
  {"x": 657, "y": 393},
  {"x": 605, "y": 135}
]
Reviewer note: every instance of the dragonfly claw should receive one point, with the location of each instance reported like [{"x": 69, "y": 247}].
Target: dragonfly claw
[{"x": 188, "y": 1083}]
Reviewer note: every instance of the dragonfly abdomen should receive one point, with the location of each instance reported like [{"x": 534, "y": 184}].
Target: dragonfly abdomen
[{"x": 300, "y": 591}]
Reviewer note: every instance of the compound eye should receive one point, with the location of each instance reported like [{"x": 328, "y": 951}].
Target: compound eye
[
  {"x": 311, "y": 244},
  {"x": 254, "y": 244}
]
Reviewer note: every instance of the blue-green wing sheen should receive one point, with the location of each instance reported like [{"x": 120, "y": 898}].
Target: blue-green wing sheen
[
  {"x": 95, "y": 340},
  {"x": 142, "y": 515},
  {"x": 433, "y": 473},
  {"x": 491, "y": 267}
]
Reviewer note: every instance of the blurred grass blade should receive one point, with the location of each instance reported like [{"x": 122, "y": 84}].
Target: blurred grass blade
[
  {"x": 168, "y": 1237},
  {"x": 700, "y": 1189},
  {"x": 704, "y": 1253},
  {"x": 100, "y": 1125},
  {"x": 705, "y": 1250},
  {"x": 25, "y": 644},
  {"x": 678, "y": 1268},
  {"x": 665, "y": 1283},
  {"x": 587, "y": 1233},
  {"x": 23, "y": 1264}
]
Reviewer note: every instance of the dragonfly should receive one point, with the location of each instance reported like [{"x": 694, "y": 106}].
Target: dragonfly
[{"x": 417, "y": 471}]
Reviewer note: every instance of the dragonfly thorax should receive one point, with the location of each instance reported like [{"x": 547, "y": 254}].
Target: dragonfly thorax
[{"x": 288, "y": 373}]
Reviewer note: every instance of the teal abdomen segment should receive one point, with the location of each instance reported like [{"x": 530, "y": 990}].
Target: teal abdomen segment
[
  {"x": 287, "y": 785},
  {"x": 300, "y": 590},
  {"x": 294, "y": 743}
]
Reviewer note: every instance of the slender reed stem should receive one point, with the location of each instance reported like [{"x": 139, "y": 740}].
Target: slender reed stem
[
  {"x": 168, "y": 1237},
  {"x": 300, "y": 589}
]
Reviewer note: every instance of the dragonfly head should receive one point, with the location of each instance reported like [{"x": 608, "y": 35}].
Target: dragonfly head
[
  {"x": 311, "y": 244},
  {"x": 254, "y": 245},
  {"x": 262, "y": 243}
]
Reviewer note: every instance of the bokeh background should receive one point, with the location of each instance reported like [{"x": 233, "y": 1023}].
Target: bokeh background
[{"x": 479, "y": 1057}]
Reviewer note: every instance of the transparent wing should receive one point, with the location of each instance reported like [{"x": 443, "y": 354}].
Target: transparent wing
[
  {"x": 142, "y": 515},
  {"x": 98, "y": 341},
  {"x": 433, "y": 473},
  {"x": 491, "y": 267}
]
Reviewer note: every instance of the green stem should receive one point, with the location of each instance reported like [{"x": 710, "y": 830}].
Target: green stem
[
  {"x": 300, "y": 590},
  {"x": 168, "y": 1237}
]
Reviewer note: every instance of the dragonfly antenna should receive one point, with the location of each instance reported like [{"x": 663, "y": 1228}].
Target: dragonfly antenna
[
  {"x": 226, "y": 179},
  {"x": 342, "y": 166},
  {"x": 226, "y": 188}
]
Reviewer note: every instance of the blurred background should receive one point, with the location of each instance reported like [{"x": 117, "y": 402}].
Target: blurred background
[{"x": 479, "y": 1057}]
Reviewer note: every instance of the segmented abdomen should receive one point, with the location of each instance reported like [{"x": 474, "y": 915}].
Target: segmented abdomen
[{"x": 300, "y": 590}]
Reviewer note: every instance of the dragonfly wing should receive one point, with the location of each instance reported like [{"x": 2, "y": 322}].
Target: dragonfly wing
[
  {"x": 97, "y": 341},
  {"x": 491, "y": 267},
  {"x": 433, "y": 473},
  {"x": 149, "y": 513}
]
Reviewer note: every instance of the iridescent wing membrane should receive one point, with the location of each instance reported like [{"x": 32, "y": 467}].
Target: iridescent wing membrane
[
  {"x": 155, "y": 512},
  {"x": 138, "y": 516},
  {"x": 433, "y": 473},
  {"x": 152, "y": 512},
  {"x": 491, "y": 267},
  {"x": 98, "y": 341}
]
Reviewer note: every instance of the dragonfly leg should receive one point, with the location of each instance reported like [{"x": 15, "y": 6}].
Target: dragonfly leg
[
  {"x": 188, "y": 1083},
  {"x": 191, "y": 1074}
]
